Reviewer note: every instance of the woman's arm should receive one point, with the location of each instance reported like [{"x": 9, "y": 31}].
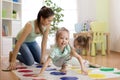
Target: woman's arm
[
  {"x": 27, "y": 29},
  {"x": 43, "y": 68},
  {"x": 44, "y": 44},
  {"x": 45, "y": 65}
]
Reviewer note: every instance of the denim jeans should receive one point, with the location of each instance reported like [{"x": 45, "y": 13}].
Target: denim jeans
[{"x": 29, "y": 53}]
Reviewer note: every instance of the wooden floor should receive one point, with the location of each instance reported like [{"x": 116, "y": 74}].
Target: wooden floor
[{"x": 111, "y": 60}]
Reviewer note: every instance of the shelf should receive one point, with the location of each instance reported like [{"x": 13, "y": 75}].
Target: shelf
[
  {"x": 10, "y": 23},
  {"x": 9, "y": 1},
  {"x": 17, "y": 9},
  {"x": 6, "y": 9},
  {"x": 6, "y": 45},
  {"x": 17, "y": 3}
]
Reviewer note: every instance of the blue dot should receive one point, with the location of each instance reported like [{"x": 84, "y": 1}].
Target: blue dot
[
  {"x": 50, "y": 69},
  {"x": 57, "y": 73},
  {"x": 69, "y": 78},
  {"x": 39, "y": 66}
]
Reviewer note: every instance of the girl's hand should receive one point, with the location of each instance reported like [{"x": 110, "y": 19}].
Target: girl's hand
[
  {"x": 12, "y": 66},
  {"x": 84, "y": 71}
]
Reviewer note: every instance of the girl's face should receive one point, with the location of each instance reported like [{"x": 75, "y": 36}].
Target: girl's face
[
  {"x": 63, "y": 39},
  {"x": 76, "y": 45},
  {"x": 47, "y": 21}
]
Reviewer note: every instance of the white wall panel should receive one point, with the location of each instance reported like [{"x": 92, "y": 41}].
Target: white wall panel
[{"x": 115, "y": 25}]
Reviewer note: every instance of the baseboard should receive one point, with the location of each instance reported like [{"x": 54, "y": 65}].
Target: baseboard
[{"x": 115, "y": 52}]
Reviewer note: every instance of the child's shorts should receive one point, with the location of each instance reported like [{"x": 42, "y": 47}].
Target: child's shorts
[{"x": 75, "y": 62}]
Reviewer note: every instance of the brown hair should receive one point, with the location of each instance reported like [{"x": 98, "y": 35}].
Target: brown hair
[
  {"x": 59, "y": 31},
  {"x": 83, "y": 41},
  {"x": 44, "y": 12}
]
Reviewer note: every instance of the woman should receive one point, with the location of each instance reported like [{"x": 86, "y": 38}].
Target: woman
[{"x": 25, "y": 40}]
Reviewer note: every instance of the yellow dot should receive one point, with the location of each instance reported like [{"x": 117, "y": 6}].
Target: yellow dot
[
  {"x": 75, "y": 67},
  {"x": 96, "y": 76},
  {"x": 79, "y": 71}
]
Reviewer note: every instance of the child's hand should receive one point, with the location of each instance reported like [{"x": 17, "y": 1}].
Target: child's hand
[
  {"x": 84, "y": 71},
  {"x": 36, "y": 75}
]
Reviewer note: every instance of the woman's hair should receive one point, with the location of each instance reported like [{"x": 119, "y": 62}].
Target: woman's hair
[
  {"x": 59, "y": 31},
  {"x": 44, "y": 12},
  {"x": 83, "y": 41}
]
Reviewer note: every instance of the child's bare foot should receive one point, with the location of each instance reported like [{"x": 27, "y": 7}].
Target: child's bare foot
[
  {"x": 94, "y": 65},
  {"x": 63, "y": 69}
]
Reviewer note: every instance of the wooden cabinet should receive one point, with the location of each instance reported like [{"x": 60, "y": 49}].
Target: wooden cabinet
[{"x": 10, "y": 24}]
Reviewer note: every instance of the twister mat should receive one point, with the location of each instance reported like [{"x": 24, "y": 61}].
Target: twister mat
[{"x": 73, "y": 73}]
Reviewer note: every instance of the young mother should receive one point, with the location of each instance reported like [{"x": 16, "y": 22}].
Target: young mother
[{"x": 30, "y": 51}]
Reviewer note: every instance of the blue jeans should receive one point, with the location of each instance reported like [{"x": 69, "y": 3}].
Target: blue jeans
[{"x": 30, "y": 53}]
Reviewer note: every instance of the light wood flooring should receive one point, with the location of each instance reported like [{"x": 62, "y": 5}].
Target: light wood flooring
[{"x": 111, "y": 60}]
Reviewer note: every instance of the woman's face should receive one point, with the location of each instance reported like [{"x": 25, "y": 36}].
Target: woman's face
[{"x": 47, "y": 21}]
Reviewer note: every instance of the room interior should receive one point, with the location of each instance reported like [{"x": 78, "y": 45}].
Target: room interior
[{"x": 77, "y": 11}]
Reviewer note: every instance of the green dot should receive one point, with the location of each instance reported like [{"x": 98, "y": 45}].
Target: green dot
[
  {"x": 107, "y": 69},
  {"x": 116, "y": 72}
]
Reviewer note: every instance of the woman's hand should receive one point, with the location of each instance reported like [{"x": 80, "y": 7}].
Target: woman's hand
[{"x": 12, "y": 66}]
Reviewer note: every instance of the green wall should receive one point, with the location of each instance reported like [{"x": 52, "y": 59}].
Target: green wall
[{"x": 102, "y": 11}]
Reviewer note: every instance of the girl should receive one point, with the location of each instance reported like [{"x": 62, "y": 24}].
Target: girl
[
  {"x": 82, "y": 43},
  {"x": 25, "y": 40},
  {"x": 62, "y": 52}
]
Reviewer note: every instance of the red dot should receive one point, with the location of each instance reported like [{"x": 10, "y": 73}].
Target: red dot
[
  {"x": 21, "y": 67},
  {"x": 25, "y": 71},
  {"x": 39, "y": 79},
  {"x": 28, "y": 75}
]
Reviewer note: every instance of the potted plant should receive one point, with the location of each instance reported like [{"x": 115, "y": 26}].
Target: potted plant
[
  {"x": 58, "y": 15},
  {"x": 14, "y": 14}
]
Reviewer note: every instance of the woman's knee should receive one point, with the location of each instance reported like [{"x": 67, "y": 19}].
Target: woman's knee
[{"x": 29, "y": 63}]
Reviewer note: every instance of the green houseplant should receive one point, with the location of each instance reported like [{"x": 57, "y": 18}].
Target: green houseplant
[{"x": 58, "y": 15}]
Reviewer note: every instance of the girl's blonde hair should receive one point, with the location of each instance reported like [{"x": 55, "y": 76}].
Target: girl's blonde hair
[{"x": 59, "y": 31}]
